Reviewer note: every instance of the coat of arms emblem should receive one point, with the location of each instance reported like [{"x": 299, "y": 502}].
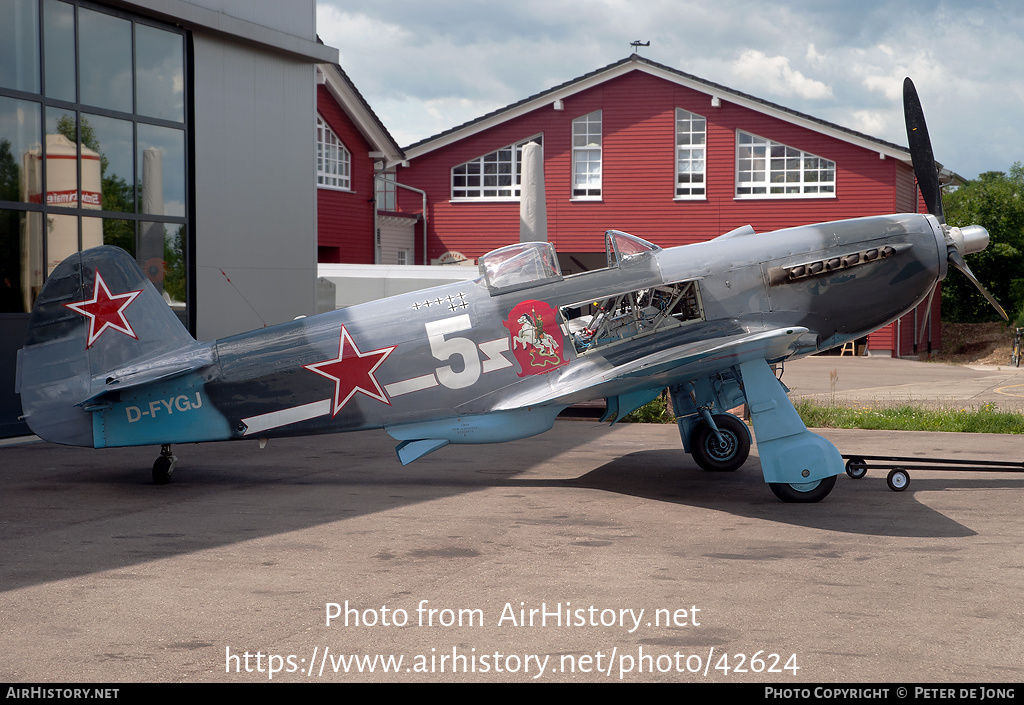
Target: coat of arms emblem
[{"x": 537, "y": 340}]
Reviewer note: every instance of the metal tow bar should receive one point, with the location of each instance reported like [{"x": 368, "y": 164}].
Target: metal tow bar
[{"x": 898, "y": 467}]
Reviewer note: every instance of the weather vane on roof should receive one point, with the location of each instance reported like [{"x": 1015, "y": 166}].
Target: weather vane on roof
[{"x": 637, "y": 44}]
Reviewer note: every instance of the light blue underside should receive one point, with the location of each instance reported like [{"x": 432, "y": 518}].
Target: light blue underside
[
  {"x": 174, "y": 411},
  {"x": 418, "y": 439},
  {"x": 789, "y": 453}
]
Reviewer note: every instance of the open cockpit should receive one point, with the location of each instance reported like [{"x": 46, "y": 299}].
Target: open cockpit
[{"x": 596, "y": 323}]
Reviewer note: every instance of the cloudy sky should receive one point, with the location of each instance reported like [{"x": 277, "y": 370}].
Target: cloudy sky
[{"x": 428, "y": 65}]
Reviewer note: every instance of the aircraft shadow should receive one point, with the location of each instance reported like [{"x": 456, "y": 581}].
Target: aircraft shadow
[
  {"x": 866, "y": 506},
  {"x": 70, "y": 512}
]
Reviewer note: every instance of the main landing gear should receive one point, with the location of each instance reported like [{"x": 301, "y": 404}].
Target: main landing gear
[
  {"x": 798, "y": 465},
  {"x": 724, "y": 451},
  {"x": 803, "y": 491},
  {"x": 164, "y": 465},
  {"x": 728, "y": 449}
]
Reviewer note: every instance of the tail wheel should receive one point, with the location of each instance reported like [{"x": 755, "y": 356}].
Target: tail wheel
[
  {"x": 726, "y": 456},
  {"x": 164, "y": 465},
  {"x": 803, "y": 491},
  {"x": 162, "y": 469}
]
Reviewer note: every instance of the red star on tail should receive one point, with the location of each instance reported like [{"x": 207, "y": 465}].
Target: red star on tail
[
  {"x": 352, "y": 371},
  {"x": 105, "y": 310}
]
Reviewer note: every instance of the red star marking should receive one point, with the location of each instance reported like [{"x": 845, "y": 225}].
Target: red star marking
[
  {"x": 105, "y": 310},
  {"x": 352, "y": 371}
]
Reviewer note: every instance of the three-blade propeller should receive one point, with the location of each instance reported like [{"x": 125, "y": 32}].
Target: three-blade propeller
[{"x": 957, "y": 245}]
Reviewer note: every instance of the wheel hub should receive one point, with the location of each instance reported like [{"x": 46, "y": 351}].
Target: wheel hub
[{"x": 723, "y": 450}]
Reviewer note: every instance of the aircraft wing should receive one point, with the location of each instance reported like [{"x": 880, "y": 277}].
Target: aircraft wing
[{"x": 659, "y": 369}]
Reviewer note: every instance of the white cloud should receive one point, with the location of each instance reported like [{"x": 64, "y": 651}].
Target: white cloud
[
  {"x": 354, "y": 31},
  {"x": 774, "y": 75},
  {"x": 427, "y": 67},
  {"x": 889, "y": 86},
  {"x": 874, "y": 122}
]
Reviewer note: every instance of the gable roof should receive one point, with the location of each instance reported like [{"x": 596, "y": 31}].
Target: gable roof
[
  {"x": 635, "y": 62},
  {"x": 341, "y": 88}
]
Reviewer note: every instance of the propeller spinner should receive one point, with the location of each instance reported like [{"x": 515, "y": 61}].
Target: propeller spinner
[{"x": 959, "y": 241}]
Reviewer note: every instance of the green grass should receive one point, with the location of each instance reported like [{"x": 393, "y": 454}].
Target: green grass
[
  {"x": 657, "y": 411},
  {"x": 898, "y": 417},
  {"x": 906, "y": 417}
]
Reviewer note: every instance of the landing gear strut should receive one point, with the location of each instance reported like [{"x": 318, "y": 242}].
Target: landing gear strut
[{"x": 164, "y": 465}]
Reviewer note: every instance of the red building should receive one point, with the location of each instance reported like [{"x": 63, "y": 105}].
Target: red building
[
  {"x": 353, "y": 146},
  {"x": 644, "y": 148}
]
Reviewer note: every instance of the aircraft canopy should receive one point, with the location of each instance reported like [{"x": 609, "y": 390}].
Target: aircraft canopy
[{"x": 520, "y": 266}]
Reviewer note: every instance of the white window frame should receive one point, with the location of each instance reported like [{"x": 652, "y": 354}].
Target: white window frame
[
  {"x": 495, "y": 176},
  {"x": 587, "y": 154},
  {"x": 768, "y": 169},
  {"x": 333, "y": 160},
  {"x": 691, "y": 155},
  {"x": 386, "y": 191}
]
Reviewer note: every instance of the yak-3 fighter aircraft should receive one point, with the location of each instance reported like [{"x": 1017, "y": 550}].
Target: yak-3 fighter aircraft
[{"x": 107, "y": 363}]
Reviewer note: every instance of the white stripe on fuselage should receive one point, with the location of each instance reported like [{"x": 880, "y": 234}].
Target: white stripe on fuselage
[
  {"x": 397, "y": 389},
  {"x": 275, "y": 419}
]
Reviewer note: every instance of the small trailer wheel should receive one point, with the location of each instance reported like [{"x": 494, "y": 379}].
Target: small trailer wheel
[
  {"x": 898, "y": 479},
  {"x": 856, "y": 468}
]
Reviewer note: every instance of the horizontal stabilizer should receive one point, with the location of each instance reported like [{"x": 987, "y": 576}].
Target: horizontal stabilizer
[{"x": 153, "y": 370}]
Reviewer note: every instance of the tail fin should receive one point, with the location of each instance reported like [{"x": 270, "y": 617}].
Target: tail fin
[{"x": 96, "y": 323}]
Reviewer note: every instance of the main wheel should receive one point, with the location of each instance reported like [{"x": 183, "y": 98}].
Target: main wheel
[
  {"x": 803, "y": 491},
  {"x": 721, "y": 457},
  {"x": 856, "y": 468}
]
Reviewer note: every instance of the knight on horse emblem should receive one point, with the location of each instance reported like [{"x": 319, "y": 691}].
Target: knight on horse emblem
[{"x": 537, "y": 341}]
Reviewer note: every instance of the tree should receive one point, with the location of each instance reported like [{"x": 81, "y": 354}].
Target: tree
[
  {"x": 174, "y": 265},
  {"x": 10, "y": 173},
  {"x": 117, "y": 194},
  {"x": 995, "y": 200}
]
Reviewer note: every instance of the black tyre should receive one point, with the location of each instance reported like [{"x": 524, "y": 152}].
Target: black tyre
[
  {"x": 162, "y": 469},
  {"x": 803, "y": 491},
  {"x": 898, "y": 480},
  {"x": 721, "y": 457},
  {"x": 856, "y": 468}
]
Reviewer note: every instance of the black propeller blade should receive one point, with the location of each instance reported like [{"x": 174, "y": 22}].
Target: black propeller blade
[
  {"x": 931, "y": 191},
  {"x": 957, "y": 260},
  {"x": 921, "y": 151}
]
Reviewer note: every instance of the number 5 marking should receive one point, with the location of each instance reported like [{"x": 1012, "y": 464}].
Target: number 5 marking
[{"x": 445, "y": 348}]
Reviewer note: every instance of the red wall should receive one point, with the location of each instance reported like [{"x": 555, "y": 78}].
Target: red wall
[
  {"x": 639, "y": 174},
  {"x": 345, "y": 218}
]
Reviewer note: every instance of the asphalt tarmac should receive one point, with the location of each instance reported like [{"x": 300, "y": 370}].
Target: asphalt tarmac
[
  {"x": 526, "y": 561},
  {"x": 884, "y": 380}
]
